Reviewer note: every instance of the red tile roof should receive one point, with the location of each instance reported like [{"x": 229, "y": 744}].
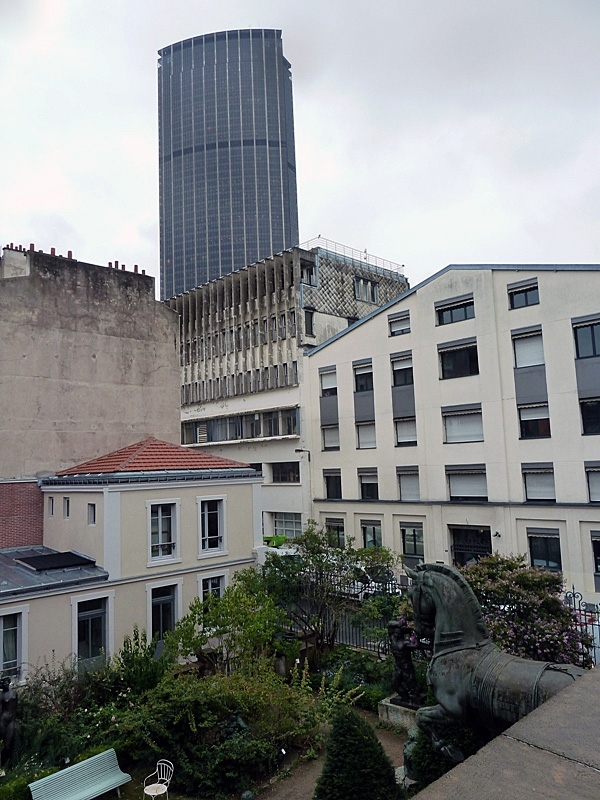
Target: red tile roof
[{"x": 151, "y": 455}]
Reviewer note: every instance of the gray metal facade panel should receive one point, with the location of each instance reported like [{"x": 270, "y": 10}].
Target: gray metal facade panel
[
  {"x": 530, "y": 384},
  {"x": 587, "y": 371},
  {"x": 403, "y": 401},
  {"x": 329, "y": 410},
  {"x": 364, "y": 406}
]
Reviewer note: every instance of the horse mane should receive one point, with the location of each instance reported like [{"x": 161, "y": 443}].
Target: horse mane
[{"x": 463, "y": 585}]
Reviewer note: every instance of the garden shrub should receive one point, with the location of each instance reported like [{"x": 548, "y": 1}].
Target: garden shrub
[
  {"x": 16, "y": 785},
  {"x": 427, "y": 765},
  {"x": 358, "y": 669},
  {"x": 356, "y": 765}
]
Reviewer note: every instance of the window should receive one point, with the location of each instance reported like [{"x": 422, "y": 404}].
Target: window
[
  {"x": 333, "y": 484},
  {"x": 288, "y": 525},
  {"x": 91, "y": 631},
  {"x": 462, "y": 426},
  {"x": 163, "y": 610},
  {"x": 365, "y": 289},
  {"x": 592, "y": 473},
  {"x": 286, "y": 472},
  {"x": 369, "y": 488},
  {"x": 365, "y": 436},
  {"x": 529, "y": 350},
  {"x": 335, "y": 527},
  {"x": 544, "y": 548},
  {"x": 399, "y": 324},
  {"x": 402, "y": 372},
  {"x": 457, "y": 362},
  {"x": 289, "y": 422},
  {"x": 539, "y": 483},
  {"x": 252, "y": 426},
  {"x": 371, "y": 533},
  {"x": 363, "y": 378},
  {"x": 309, "y": 322},
  {"x": 408, "y": 484},
  {"x": 50, "y": 506},
  {"x": 66, "y": 507},
  {"x": 587, "y": 340},
  {"x": 308, "y": 273},
  {"x": 271, "y": 423},
  {"x": 596, "y": 550},
  {"x": 10, "y": 629},
  {"x": 273, "y": 328},
  {"x": 412, "y": 543},
  {"x": 328, "y": 383},
  {"x": 282, "y": 325},
  {"x": 455, "y": 312},
  {"x": 519, "y": 297},
  {"x": 163, "y": 530},
  {"x": 213, "y": 586},
  {"x": 405, "y": 431},
  {"x": 534, "y": 422},
  {"x": 331, "y": 437},
  {"x": 292, "y": 323},
  {"x": 467, "y": 483},
  {"x": 211, "y": 525},
  {"x": 91, "y": 513},
  {"x": 590, "y": 417},
  {"x": 469, "y": 544}
]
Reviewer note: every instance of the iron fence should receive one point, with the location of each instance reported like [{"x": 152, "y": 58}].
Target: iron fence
[{"x": 587, "y": 619}]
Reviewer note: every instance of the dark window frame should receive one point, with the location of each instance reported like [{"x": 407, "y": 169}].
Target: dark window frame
[
  {"x": 459, "y": 362},
  {"x": 529, "y": 294},
  {"x": 455, "y": 312},
  {"x": 285, "y": 472}
]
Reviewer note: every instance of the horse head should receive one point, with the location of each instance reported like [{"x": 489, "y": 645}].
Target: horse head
[{"x": 444, "y": 602}]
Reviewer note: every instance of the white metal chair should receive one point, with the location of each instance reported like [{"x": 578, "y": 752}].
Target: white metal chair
[{"x": 157, "y": 784}]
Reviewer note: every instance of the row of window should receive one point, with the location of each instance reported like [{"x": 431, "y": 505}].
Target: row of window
[
  {"x": 252, "y": 334},
  {"x": 461, "y": 308},
  {"x": 467, "y": 544},
  {"x": 260, "y": 379},
  {"x": 66, "y": 509},
  {"x": 93, "y": 617},
  {"x": 283, "y": 422},
  {"x": 465, "y": 483}
]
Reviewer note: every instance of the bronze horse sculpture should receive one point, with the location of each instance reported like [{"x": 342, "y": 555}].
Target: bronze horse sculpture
[{"x": 474, "y": 682}]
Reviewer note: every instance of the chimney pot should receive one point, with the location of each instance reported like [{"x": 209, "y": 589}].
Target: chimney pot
[
  {"x": 69, "y": 254},
  {"x": 143, "y": 272},
  {"x": 31, "y": 246},
  {"x": 135, "y": 267},
  {"x": 53, "y": 251},
  {"x": 122, "y": 266},
  {"x": 110, "y": 264},
  {"x": 116, "y": 265}
]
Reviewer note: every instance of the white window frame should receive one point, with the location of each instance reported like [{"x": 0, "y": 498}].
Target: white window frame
[
  {"x": 462, "y": 480},
  {"x": 51, "y": 505},
  {"x": 178, "y": 583},
  {"x": 407, "y": 492},
  {"x": 541, "y": 489},
  {"x": 327, "y": 430},
  {"x": 22, "y": 612},
  {"x": 174, "y": 557},
  {"x": 222, "y": 550},
  {"x": 328, "y": 381},
  {"x": 465, "y": 420},
  {"x": 297, "y": 517},
  {"x": 399, "y": 325},
  {"x": 593, "y": 483},
  {"x": 528, "y": 350},
  {"x": 366, "y": 437},
  {"x": 215, "y": 573},
  {"x": 91, "y": 513},
  {"x": 109, "y": 596},
  {"x": 66, "y": 507},
  {"x": 405, "y": 431}
]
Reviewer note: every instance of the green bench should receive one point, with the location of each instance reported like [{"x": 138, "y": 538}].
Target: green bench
[{"x": 83, "y": 781}]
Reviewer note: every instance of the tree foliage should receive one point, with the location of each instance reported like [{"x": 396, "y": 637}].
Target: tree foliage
[
  {"x": 524, "y": 611},
  {"x": 356, "y": 765},
  {"x": 240, "y": 627},
  {"x": 314, "y": 585}
]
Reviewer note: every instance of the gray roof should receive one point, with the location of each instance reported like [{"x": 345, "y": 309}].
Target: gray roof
[{"x": 16, "y": 578}]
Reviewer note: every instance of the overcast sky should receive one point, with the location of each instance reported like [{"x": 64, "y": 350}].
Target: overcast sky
[{"x": 427, "y": 131}]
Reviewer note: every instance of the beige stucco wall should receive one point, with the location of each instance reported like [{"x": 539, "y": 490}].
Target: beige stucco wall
[
  {"x": 88, "y": 363},
  {"x": 564, "y": 294}
]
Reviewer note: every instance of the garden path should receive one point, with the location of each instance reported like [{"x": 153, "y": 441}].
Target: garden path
[{"x": 301, "y": 783}]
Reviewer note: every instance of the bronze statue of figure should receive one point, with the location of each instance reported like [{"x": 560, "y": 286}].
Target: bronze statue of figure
[
  {"x": 404, "y": 679},
  {"x": 474, "y": 682}
]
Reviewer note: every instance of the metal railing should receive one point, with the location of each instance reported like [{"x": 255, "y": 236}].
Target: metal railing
[{"x": 588, "y": 622}]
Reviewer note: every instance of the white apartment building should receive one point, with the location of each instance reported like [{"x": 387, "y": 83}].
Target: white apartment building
[
  {"x": 464, "y": 417},
  {"x": 243, "y": 337}
]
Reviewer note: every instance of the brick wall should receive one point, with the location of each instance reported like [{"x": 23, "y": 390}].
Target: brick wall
[{"x": 21, "y": 513}]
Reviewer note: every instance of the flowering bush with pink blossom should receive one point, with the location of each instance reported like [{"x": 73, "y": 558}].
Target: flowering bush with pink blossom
[{"x": 524, "y": 611}]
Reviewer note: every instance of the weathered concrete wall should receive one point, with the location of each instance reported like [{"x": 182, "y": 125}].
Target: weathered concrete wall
[{"x": 88, "y": 362}]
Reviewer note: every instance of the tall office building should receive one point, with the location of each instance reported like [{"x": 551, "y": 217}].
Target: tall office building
[{"x": 226, "y": 153}]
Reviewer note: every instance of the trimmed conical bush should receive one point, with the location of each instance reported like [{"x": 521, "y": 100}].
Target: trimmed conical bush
[{"x": 356, "y": 766}]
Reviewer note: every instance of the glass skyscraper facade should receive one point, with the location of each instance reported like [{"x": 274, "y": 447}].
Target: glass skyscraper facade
[{"x": 227, "y": 162}]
